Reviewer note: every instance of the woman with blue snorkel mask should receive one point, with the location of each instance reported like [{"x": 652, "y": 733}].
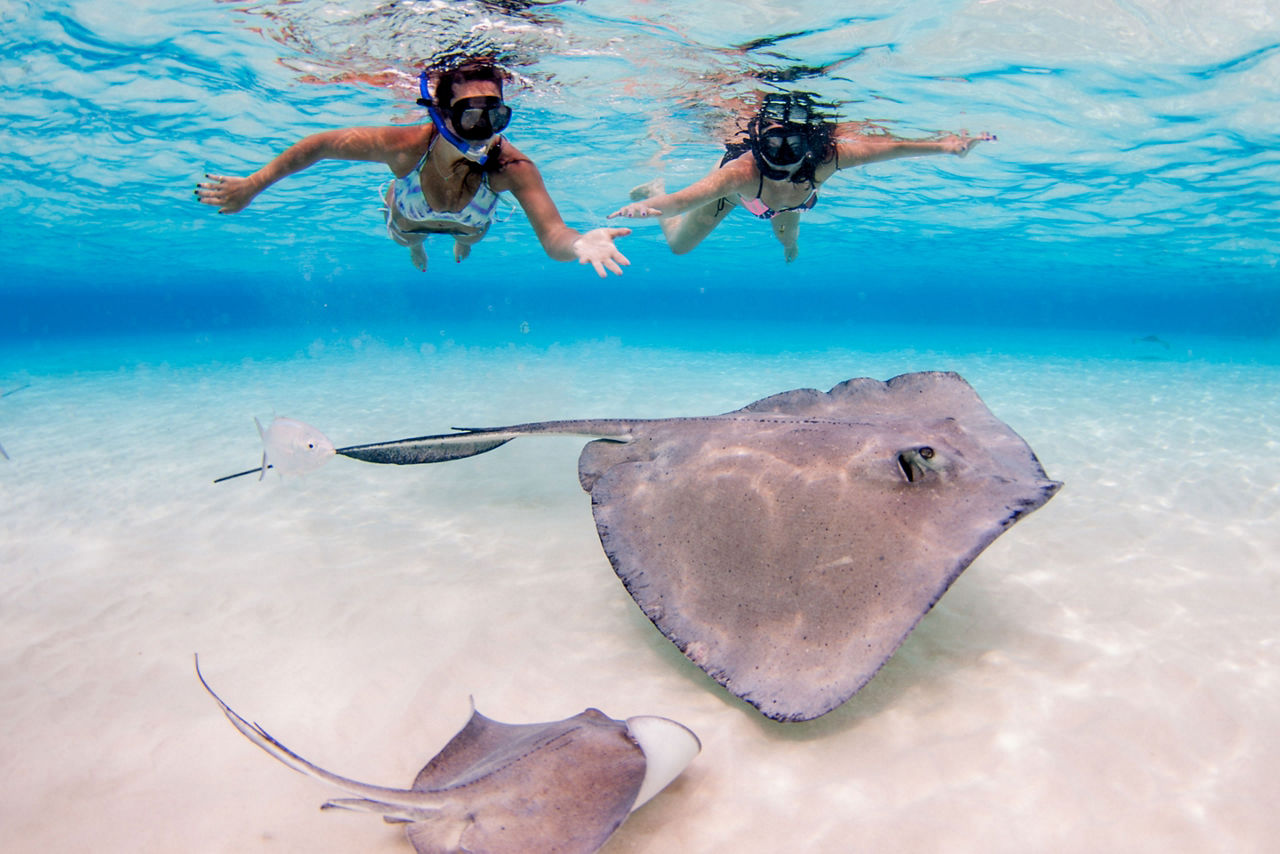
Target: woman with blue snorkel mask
[
  {"x": 449, "y": 174},
  {"x": 789, "y": 151}
]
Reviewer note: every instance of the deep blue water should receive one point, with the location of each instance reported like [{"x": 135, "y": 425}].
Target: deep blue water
[{"x": 1133, "y": 189}]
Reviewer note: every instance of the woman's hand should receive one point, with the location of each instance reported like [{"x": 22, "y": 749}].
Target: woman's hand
[
  {"x": 960, "y": 145},
  {"x": 635, "y": 210},
  {"x": 227, "y": 193},
  {"x": 596, "y": 248}
]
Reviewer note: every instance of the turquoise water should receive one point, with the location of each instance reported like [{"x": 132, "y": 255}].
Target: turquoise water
[
  {"x": 1132, "y": 187},
  {"x": 1101, "y": 678}
]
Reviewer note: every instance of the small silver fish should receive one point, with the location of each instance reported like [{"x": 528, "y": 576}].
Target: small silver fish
[{"x": 292, "y": 447}]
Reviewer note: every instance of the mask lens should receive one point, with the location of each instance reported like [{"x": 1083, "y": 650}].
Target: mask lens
[
  {"x": 783, "y": 147},
  {"x": 479, "y": 118}
]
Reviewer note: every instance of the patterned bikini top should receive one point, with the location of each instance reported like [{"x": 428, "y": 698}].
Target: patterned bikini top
[{"x": 407, "y": 197}]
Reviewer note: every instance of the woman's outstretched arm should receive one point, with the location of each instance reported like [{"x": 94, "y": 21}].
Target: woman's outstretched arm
[
  {"x": 559, "y": 241},
  {"x": 390, "y": 145},
  {"x": 854, "y": 146},
  {"x": 721, "y": 181}
]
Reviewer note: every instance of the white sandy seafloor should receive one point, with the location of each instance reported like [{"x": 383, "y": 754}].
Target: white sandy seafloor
[{"x": 1105, "y": 677}]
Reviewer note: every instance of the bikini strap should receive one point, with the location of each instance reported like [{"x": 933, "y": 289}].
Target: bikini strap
[{"x": 422, "y": 161}]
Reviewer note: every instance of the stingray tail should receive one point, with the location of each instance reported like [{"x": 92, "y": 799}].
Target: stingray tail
[
  {"x": 470, "y": 441},
  {"x": 398, "y": 799},
  {"x": 28, "y": 385},
  {"x": 391, "y": 813}
]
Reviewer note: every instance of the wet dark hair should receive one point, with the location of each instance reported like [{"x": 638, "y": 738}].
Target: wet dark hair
[
  {"x": 469, "y": 72},
  {"x": 794, "y": 111}
]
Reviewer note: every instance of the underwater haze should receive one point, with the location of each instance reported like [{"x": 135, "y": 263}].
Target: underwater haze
[{"x": 1101, "y": 678}]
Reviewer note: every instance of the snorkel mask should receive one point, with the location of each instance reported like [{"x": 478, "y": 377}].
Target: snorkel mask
[
  {"x": 786, "y": 136},
  {"x": 477, "y": 120},
  {"x": 784, "y": 147}
]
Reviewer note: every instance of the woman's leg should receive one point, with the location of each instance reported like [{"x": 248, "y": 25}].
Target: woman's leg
[
  {"x": 685, "y": 231},
  {"x": 462, "y": 243},
  {"x": 786, "y": 227},
  {"x": 417, "y": 252}
]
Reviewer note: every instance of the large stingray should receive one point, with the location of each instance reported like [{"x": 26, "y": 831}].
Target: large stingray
[
  {"x": 562, "y": 787},
  {"x": 789, "y": 547}
]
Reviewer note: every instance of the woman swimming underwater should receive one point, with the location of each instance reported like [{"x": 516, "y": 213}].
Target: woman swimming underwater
[
  {"x": 448, "y": 174},
  {"x": 776, "y": 173}
]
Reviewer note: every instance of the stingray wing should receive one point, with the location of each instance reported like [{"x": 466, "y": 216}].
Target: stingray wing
[
  {"x": 563, "y": 786},
  {"x": 788, "y": 548}
]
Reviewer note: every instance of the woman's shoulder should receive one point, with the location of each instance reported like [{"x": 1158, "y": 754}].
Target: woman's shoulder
[
  {"x": 740, "y": 169},
  {"x": 404, "y": 145},
  {"x": 512, "y": 167},
  {"x": 407, "y": 138},
  {"x": 509, "y": 155}
]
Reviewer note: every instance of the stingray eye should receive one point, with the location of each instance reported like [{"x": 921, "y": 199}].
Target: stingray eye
[
  {"x": 312, "y": 446},
  {"x": 916, "y": 462}
]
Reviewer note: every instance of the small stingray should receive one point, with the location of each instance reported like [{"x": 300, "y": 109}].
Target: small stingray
[
  {"x": 788, "y": 548},
  {"x": 290, "y": 447},
  {"x": 563, "y": 786},
  {"x": 1152, "y": 339}
]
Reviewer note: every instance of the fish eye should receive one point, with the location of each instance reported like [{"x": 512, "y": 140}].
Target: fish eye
[{"x": 916, "y": 463}]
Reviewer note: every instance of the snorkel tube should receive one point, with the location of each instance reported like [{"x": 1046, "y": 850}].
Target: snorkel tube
[{"x": 476, "y": 152}]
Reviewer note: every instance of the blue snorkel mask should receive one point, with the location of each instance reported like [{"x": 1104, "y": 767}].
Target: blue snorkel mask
[{"x": 477, "y": 120}]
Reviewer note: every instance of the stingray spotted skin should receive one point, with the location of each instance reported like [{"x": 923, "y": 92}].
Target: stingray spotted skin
[
  {"x": 789, "y": 547},
  {"x": 561, "y": 787}
]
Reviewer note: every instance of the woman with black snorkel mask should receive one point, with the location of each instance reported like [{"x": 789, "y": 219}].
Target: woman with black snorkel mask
[
  {"x": 449, "y": 173},
  {"x": 789, "y": 151}
]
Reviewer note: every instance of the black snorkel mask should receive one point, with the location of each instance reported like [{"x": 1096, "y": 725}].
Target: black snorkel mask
[
  {"x": 787, "y": 137},
  {"x": 784, "y": 147},
  {"x": 477, "y": 120}
]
